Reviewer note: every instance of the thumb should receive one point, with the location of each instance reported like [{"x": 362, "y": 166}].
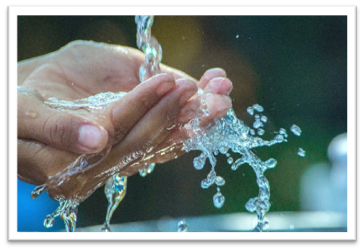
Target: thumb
[{"x": 56, "y": 128}]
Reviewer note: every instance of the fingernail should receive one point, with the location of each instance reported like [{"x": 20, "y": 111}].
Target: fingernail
[
  {"x": 164, "y": 87},
  {"x": 89, "y": 136},
  {"x": 214, "y": 72}
]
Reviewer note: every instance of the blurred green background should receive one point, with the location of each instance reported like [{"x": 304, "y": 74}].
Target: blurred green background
[{"x": 294, "y": 66}]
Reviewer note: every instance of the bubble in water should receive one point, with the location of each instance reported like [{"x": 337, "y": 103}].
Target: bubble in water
[
  {"x": 218, "y": 199},
  {"x": 301, "y": 152},
  {"x": 182, "y": 226},
  {"x": 296, "y": 130},
  {"x": 258, "y": 107}
]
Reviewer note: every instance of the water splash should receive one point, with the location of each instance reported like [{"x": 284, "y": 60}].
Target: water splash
[
  {"x": 223, "y": 135},
  {"x": 115, "y": 191},
  {"x": 67, "y": 210},
  {"x": 230, "y": 133},
  {"x": 115, "y": 187},
  {"x": 150, "y": 46}
]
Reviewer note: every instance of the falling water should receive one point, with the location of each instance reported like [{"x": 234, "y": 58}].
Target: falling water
[{"x": 223, "y": 135}]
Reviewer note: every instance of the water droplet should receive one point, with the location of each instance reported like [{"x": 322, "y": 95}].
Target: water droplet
[
  {"x": 219, "y": 181},
  {"x": 250, "y": 110},
  {"x": 237, "y": 36},
  {"x": 38, "y": 191},
  {"x": 258, "y": 107},
  {"x": 271, "y": 163},
  {"x": 279, "y": 138},
  {"x": 143, "y": 172},
  {"x": 230, "y": 160},
  {"x": 218, "y": 199},
  {"x": 32, "y": 114},
  {"x": 301, "y": 152},
  {"x": 199, "y": 161},
  {"x": 264, "y": 119},
  {"x": 257, "y": 124},
  {"x": 150, "y": 168},
  {"x": 261, "y": 131},
  {"x": 182, "y": 226},
  {"x": 252, "y": 132},
  {"x": 296, "y": 130},
  {"x": 48, "y": 221},
  {"x": 223, "y": 150},
  {"x": 283, "y": 132}
]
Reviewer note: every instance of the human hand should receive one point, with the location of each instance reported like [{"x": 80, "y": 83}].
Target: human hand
[{"x": 50, "y": 141}]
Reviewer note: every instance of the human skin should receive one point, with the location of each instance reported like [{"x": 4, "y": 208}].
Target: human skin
[{"x": 132, "y": 132}]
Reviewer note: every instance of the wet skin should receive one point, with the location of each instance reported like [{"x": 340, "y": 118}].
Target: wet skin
[{"x": 133, "y": 131}]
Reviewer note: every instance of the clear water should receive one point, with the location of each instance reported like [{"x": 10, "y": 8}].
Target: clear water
[
  {"x": 223, "y": 135},
  {"x": 182, "y": 226},
  {"x": 231, "y": 134},
  {"x": 115, "y": 191}
]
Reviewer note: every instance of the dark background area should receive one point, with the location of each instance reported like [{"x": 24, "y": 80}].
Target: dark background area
[{"x": 294, "y": 66}]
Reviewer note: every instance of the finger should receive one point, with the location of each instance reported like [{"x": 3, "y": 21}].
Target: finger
[
  {"x": 219, "y": 85},
  {"x": 216, "y": 106},
  {"x": 209, "y": 75},
  {"x": 56, "y": 128},
  {"x": 126, "y": 112},
  {"x": 37, "y": 161},
  {"x": 152, "y": 129}
]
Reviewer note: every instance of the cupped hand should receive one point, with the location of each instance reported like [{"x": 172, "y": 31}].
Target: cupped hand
[{"x": 134, "y": 130}]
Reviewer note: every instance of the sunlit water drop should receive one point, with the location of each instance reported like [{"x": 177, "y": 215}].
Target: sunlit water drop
[{"x": 218, "y": 199}]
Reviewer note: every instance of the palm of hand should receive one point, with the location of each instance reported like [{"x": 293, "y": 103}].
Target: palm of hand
[{"x": 83, "y": 69}]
